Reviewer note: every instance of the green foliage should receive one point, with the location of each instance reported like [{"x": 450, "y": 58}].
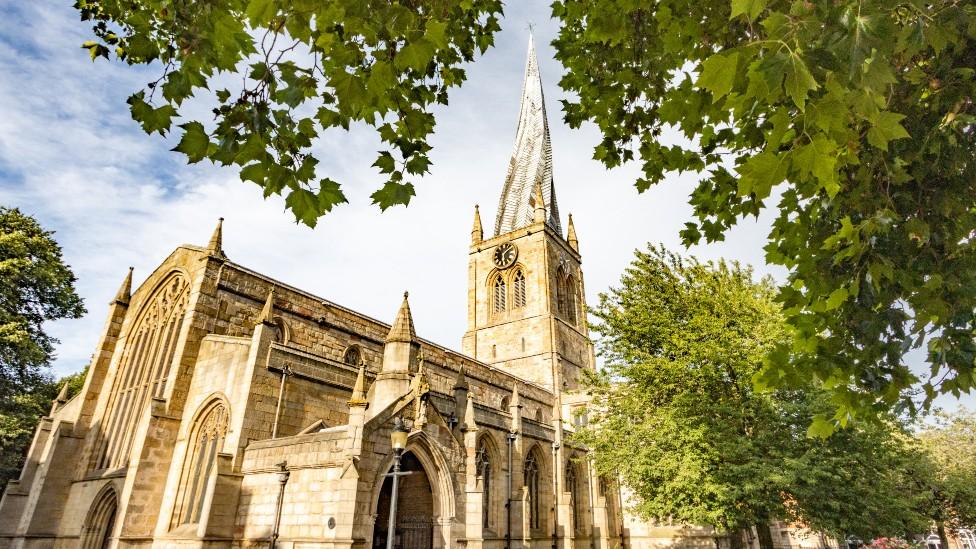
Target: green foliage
[
  {"x": 681, "y": 424},
  {"x": 35, "y": 287},
  {"x": 19, "y": 416},
  {"x": 305, "y": 67},
  {"x": 950, "y": 481},
  {"x": 854, "y": 120}
]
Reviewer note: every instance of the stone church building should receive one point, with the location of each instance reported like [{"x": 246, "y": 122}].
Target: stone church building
[{"x": 226, "y": 409}]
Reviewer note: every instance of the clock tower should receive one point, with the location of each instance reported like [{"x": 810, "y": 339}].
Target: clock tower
[{"x": 526, "y": 306}]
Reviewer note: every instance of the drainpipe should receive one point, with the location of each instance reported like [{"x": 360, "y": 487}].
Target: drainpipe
[
  {"x": 281, "y": 394},
  {"x": 589, "y": 488},
  {"x": 512, "y": 435},
  {"x": 283, "y": 475},
  {"x": 555, "y": 496}
]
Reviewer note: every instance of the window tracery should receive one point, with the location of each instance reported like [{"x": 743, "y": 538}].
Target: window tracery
[
  {"x": 353, "y": 356},
  {"x": 571, "y": 299},
  {"x": 483, "y": 464},
  {"x": 499, "y": 293},
  {"x": 572, "y": 487},
  {"x": 518, "y": 289},
  {"x": 207, "y": 442},
  {"x": 142, "y": 376},
  {"x": 531, "y": 479},
  {"x": 561, "y": 290}
]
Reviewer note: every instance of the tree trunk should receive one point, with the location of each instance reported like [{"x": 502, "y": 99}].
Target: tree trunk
[
  {"x": 765, "y": 536},
  {"x": 735, "y": 539},
  {"x": 943, "y": 539}
]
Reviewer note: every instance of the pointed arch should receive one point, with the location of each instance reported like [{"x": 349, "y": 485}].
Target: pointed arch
[
  {"x": 440, "y": 475},
  {"x": 353, "y": 355},
  {"x": 149, "y": 352},
  {"x": 532, "y": 477},
  {"x": 487, "y": 467},
  {"x": 571, "y": 307},
  {"x": 572, "y": 487},
  {"x": 205, "y": 442},
  {"x": 518, "y": 288},
  {"x": 499, "y": 293},
  {"x": 96, "y": 533},
  {"x": 561, "y": 290}
]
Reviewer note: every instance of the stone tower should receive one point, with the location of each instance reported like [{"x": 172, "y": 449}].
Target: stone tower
[{"x": 526, "y": 308}]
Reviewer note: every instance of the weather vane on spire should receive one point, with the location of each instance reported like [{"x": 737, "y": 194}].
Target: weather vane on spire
[{"x": 531, "y": 26}]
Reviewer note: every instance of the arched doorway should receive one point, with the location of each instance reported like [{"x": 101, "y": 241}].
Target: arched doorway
[
  {"x": 97, "y": 531},
  {"x": 415, "y": 509}
]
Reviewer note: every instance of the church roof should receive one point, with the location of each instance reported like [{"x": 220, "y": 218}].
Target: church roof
[{"x": 531, "y": 161}]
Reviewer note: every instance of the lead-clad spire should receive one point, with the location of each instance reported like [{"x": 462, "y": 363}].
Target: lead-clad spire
[{"x": 531, "y": 161}]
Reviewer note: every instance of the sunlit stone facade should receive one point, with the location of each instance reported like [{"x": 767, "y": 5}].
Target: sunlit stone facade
[{"x": 226, "y": 409}]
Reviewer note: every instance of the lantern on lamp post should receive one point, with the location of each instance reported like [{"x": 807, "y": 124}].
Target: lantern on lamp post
[{"x": 398, "y": 441}]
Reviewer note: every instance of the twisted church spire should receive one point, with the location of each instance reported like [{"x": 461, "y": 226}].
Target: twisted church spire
[{"x": 531, "y": 162}]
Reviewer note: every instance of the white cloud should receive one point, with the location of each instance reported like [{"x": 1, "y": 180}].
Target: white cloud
[{"x": 71, "y": 155}]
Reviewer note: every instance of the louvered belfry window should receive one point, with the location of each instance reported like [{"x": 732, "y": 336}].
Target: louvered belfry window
[
  {"x": 500, "y": 291},
  {"x": 571, "y": 299},
  {"x": 518, "y": 289}
]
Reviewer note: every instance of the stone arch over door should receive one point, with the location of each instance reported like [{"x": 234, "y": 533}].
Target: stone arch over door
[
  {"x": 96, "y": 533},
  {"x": 440, "y": 482}
]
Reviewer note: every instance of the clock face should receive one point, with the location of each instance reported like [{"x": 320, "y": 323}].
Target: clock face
[{"x": 505, "y": 255}]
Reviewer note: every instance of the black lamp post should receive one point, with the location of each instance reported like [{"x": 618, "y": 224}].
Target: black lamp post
[{"x": 398, "y": 440}]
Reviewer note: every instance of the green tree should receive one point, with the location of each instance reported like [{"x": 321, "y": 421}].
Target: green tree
[
  {"x": 20, "y": 415},
  {"x": 35, "y": 287},
  {"x": 680, "y": 423},
  {"x": 305, "y": 67},
  {"x": 854, "y": 118},
  {"x": 950, "y": 480}
]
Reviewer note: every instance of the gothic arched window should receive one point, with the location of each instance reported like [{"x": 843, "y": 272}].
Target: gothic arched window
[
  {"x": 483, "y": 464},
  {"x": 207, "y": 441},
  {"x": 353, "y": 356},
  {"x": 571, "y": 299},
  {"x": 149, "y": 351},
  {"x": 97, "y": 531},
  {"x": 573, "y": 488},
  {"x": 518, "y": 289},
  {"x": 531, "y": 477},
  {"x": 561, "y": 290},
  {"x": 499, "y": 294}
]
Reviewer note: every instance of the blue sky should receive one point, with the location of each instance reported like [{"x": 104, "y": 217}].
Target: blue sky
[{"x": 71, "y": 155}]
